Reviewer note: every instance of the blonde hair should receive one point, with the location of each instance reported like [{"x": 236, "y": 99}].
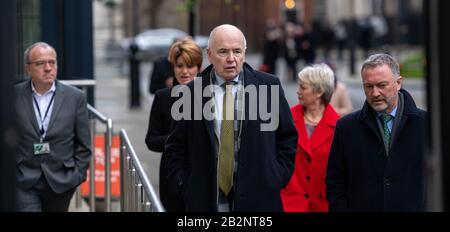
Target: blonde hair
[{"x": 321, "y": 79}]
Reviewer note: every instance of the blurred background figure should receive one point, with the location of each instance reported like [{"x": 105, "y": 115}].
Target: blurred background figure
[
  {"x": 161, "y": 76},
  {"x": 327, "y": 39},
  {"x": 271, "y": 48},
  {"x": 380, "y": 30},
  {"x": 291, "y": 48},
  {"x": 340, "y": 36},
  {"x": 340, "y": 100},
  {"x": 315, "y": 120},
  {"x": 308, "y": 45},
  {"x": 185, "y": 56},
  {"x": 365, "y": 35}
]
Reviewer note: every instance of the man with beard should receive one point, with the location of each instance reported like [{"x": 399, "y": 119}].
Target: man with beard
[{"x": 376, "y": 158}]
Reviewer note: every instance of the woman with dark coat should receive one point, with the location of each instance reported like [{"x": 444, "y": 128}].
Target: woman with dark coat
[{"x": 186, "y": 58}]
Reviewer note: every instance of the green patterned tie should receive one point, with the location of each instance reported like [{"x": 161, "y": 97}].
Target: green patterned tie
[
  {"x": 386, "y": 133},
  {"x": 226, "y": 152}
]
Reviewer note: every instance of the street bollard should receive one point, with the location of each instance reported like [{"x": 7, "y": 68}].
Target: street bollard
[{"x": 134, "y": 76}]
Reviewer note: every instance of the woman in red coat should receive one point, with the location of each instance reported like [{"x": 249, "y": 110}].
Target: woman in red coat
[{"x": 315, "y": 120}]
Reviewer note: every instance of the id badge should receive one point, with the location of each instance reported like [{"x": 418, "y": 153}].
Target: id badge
[{"x": 41, "y": 148}]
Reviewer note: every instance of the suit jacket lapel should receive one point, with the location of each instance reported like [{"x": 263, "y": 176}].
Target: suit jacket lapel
[
  {"x": 249, "y": 79},
  {"x": 368, "y": 117},
  {"x": 209, "y": 124},
  {"x": 27, "y": 100},
  {"x": 58, "y": 102}
]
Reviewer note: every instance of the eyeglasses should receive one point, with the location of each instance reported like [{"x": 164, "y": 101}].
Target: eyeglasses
[
  {"x": 42, "y": 63},
  {"x": 226, "y": 52}
]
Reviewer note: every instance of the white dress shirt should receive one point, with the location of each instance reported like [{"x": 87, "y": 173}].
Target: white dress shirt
[
  {"x": 43, "y": 101},
  {"x": 219, "y": 93}
]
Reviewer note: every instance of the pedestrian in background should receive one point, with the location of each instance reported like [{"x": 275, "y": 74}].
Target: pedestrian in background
[
  {"x": 272, "y": 38},
  {"x": 161, "y": 76},
  {"x": 340, "y": 100},
  {"x": 308, "y": 44},
  {"x": 228, "y": 163},
  {"x": 315, "y": 120},
  {"x": 292, "y": 48},
  {"x": 54, "y": 150},
  {"x": 186, "y": 58},
  {"x": 376, "y": 159}
]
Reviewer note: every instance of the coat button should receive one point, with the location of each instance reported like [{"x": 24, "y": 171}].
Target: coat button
[
  {"x": 308, "y": 178},
  {"x": 306, "y": 196}
]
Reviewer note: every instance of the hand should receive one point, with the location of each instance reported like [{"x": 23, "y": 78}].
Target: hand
[{"x": 169, "y": 82}]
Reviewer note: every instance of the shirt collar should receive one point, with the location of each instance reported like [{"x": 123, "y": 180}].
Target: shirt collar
[
  {"x": 51, "y": 90},
  {"x": 220, "y": 80},
  {"x": 392, "y": 113}
]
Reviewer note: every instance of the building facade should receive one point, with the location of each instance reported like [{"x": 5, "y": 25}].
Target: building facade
[
  {"x": 67, "y": 26},
  {"x": 401, "y": 16}
]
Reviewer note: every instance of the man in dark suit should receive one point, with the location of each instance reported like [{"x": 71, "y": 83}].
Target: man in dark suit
[
  {"x": 224, "y": 162},
  {"x": 54, "y": 141},
  {"x": 162, "y": 75},
  {"x": 376, "y": 158}
]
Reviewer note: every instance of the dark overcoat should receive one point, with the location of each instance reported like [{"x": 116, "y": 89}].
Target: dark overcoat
[
  {"x": 160, "y": 120},
  {"x": 265, "y": 160},
  {"x": 362, "y": 177}
]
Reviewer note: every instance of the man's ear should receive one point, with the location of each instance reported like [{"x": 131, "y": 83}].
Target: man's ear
[
  {"x": 27, "y": 69},
  {"x": 208, "y": 53},
  {"x": 399, "y": 82}
]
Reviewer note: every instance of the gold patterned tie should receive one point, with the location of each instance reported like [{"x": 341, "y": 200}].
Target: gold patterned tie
[{"x": 226, "y": 152}]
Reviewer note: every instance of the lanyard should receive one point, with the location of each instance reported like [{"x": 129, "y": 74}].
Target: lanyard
[{"x": 42, "y": 131}]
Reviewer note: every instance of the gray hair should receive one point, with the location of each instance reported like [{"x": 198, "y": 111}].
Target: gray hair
[
  {"x": 321, "y": 79},
  {"x": 228, "y": 27},
  {"x": 26, "y": 55},
  {"x": 381, "y": 59}
]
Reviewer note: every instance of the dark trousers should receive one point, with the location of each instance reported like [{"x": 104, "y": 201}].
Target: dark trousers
[{"x": 41, "y": 198}]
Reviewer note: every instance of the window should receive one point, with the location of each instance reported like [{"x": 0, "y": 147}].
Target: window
[{"x": 29, "y": 28}]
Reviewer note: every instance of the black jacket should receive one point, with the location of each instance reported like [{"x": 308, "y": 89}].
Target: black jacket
[
  {"x": 159, "y": 124},
  {"x": 162, "y": 69},
  {"x": 361, "y": 177},
  {"x": 265, "y": 161}
]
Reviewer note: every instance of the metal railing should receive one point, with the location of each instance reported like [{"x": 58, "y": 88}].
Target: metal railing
[
  {"x": 137, "y": 193},
  {"x": 83, "y": 84},
  {"x": 94, "y": 115}
]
